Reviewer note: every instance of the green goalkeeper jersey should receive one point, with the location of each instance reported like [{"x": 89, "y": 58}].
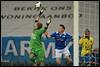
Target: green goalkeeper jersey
[
  {"x": 36, "y": 45},
  {"x": 37, "y": 33}
]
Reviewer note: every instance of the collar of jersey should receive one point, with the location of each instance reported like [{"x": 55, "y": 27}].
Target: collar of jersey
[{"x": 63, "y": 32}]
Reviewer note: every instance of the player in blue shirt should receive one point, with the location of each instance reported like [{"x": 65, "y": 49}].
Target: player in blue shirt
[{"x": 61, "y": 41}]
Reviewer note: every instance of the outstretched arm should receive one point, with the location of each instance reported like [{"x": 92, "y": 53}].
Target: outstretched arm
[{"x": 47, "y": 34}]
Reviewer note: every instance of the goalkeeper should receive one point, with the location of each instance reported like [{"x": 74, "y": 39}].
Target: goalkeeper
[{"x": 37, "y": 54}]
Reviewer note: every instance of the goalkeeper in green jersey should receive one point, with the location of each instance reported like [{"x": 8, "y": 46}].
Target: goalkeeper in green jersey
[{"x": 37, "y": 54}]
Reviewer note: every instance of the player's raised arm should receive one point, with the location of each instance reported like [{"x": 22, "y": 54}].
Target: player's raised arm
[
  {"x": 46, "y": 27},
  {"x": 48, "y": 22}
]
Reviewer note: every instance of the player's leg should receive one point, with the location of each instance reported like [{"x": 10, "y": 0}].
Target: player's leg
[
  {"x": 42, "y": 64},
  {"x": 37, "y": 56},
  {"x": 68, "y": 59},
  {"x": 41, "y": 57},
  {"x": 67, "y": 55},
  {"x": 92, "y": 60},
  {"x": 58, "y": 61},
  {"x": 32, "y": 57},
  {"x": 33, "y": 61},
  {"x": 81, "y": 61},
  {"x": 35, "y": 64},
  {"x": 58, "y": 54},
  {"x": 87, "y": 59}
]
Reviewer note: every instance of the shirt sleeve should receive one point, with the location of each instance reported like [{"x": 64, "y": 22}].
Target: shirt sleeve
[
  {"x": 92, "y": 40},
  {"x": 68, "y": 37},
  {"x": 53, "y": 34},
  {"x": 42, "y": 30},
  {"x": 81, "y": 41}
]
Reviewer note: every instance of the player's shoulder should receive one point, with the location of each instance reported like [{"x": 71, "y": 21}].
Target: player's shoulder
[
  {"x": 67, "y": 34},
  {"x": 91, "y": 37},
  {"x": 54, "y": 33}
]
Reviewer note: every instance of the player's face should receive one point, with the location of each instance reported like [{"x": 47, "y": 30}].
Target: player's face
[
  {"x": 35, "y": 26},
  {"x": 60, "y": 29},
  {"x": 87, "y": 33}
]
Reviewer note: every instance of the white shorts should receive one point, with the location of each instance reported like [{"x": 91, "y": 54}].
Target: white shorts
[{"x": 59, "y": 52}]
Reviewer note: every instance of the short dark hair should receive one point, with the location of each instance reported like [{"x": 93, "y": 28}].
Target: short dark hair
[
  {"x": 62, "y": 26},
  {"x": 87, "y": 30}
]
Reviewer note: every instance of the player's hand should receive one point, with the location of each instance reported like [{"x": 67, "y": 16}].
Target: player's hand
[
  {"x": 49, "y": 21},
  {"x": 36, "y": 19},
  {"x": 31, "y": 55},
  {"x": 46, "y": 33}
]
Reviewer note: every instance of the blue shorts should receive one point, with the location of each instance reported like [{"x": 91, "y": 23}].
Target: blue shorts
[{"x": 87, "y": 58}]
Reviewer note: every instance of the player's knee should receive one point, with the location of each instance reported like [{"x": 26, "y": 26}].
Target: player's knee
[
  {"x": 68, "y": 59},
  {"x": 58, "y": 61},
  {"x": 31, "y": 55}
]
